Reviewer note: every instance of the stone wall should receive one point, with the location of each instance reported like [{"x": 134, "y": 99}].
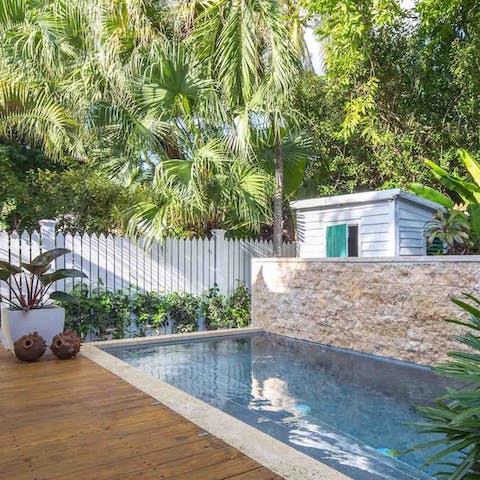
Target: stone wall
[{"x": 390, "y": 307}]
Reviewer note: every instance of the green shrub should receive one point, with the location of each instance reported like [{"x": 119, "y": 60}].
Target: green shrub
[
  {"x": 99, "y": 313},
  {"x": 214, "y": 309},
  {"x": 185, "y": 309},
  {"x": 227, "y": 312},
  {"x": 238, "y": 307},
  {"x": 151, "y": 309},
  {"x": 456, "y": 415}
]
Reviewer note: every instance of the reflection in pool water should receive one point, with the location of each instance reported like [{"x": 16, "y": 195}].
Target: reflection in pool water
[{"x": 345, "y": 409}]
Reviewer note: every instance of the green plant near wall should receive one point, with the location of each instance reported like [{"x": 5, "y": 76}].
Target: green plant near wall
[
  {"x": 185, "y": 309},
  {"x": 451, "y": 228},
  {"x": 97, "y": 312},
  {"x": 227, "y": 311},
  {"x": 460, "y": 226},
  {"x": 151, "y": 309},
  {"x": 456, "y": 415}
]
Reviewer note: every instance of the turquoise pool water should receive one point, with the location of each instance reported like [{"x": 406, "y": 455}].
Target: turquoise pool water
[{"x": 346, "y": 409}]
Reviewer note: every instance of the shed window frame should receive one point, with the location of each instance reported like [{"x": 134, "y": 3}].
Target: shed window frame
[
  {"x": 348, "y": 240},
  {"x": 348, "y": 225}
]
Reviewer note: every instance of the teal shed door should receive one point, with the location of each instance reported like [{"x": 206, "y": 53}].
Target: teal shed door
[{"x": 337, "y": 240}]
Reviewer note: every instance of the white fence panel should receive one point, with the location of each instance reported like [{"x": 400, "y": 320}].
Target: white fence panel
[
  {"x": 77, "y": 259},
  {"x": 34, "y": 245},
  {"x": 4, "y": 255},
  {"x": 86, "y": 256},
  {"x": 120, "y": 263},
  {"x": 60, "y": 261},
  {"x": 68, "y": 258}
]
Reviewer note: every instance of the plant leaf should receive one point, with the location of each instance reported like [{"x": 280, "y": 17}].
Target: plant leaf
[
  {"x": 431, "y": 194},
  {"x": 62, "y": 273},
  {"x": 8, "y": 267},
  {"x": 61, "y": 296},
  {"x": 47, "y": 257},
  {"x": 472, "y": 165}
]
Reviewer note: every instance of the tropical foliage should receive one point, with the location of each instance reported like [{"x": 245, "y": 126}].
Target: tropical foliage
[
  {"x": 97, "y": 313},
  {"x": 460, "y": 227},
  {"x": 399, "y": 85},
  {"x": 181, "y": 101},
  {"x": 227, "y": 312},
  {"x": 211, "y": 189},
  {"x": 164, "y": 98},
  {"x": 249, "y": 47},
  {"x": 29, "y": 284},
  {"x": 85, "y": 200},
  {"x": 450, "y": 228},
  {"x": 456, "y": 415}
]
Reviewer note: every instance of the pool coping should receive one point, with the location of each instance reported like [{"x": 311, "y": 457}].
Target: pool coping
[{"x": 280, "y": 458}]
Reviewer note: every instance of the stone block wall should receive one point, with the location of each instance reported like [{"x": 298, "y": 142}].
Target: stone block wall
[{"x": 390, "y": 307}]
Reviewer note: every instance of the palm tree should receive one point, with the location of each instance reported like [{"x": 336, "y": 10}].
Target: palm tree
[
  {"x": 107, "y": 81},
  {"x": 57, "y": 58},
  {"x": 170, "y": 137},
  {"x": 31, "y": 109},
  {"x": 208, "y": 190},
  {"x": 249, "y": 46}
]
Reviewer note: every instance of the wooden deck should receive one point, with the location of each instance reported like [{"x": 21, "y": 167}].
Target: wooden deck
[{"x": 74, "y": 420}]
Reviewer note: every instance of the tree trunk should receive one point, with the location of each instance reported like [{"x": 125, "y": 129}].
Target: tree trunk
[{"x": 278, "y": 197}]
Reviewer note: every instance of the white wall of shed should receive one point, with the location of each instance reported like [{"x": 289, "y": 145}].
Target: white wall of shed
[
  {"x": 411, "y": 219},
  {"x": 376, "y": 228}
]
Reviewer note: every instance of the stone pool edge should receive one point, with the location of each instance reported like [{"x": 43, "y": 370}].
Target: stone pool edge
[{"x": 266, "y": 450}]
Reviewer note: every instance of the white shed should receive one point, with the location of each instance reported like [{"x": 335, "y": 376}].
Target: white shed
[{"x": 384, "y": 223}]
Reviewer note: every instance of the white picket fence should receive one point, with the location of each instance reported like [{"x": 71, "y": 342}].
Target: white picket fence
[{"x": 120, "y": 263}]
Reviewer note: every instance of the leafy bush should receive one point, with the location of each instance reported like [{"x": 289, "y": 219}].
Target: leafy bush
[
  {"x": 459, "y": 227},
  {"x": 456, "y": 415},
  {"x": 227, "y": 312},
  {"x": 100, "y": 314},
  {"x": 185, "y": 309},
  {"x": 86, "y": 200},
  {"x": 451, "y": 228},
  {"x": 151, "y": 310},
  {"x": 214, "y": 308},
  {"x": 238, "y": 307}
]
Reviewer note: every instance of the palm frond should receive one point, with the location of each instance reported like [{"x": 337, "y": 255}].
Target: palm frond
[{"x": 36, "y": 118}]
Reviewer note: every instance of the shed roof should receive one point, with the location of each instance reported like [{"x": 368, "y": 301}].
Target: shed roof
[{"x": 364, "y": 197}]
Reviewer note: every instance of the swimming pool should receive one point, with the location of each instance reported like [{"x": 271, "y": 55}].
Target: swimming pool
[{"x": 346, "y": 409}]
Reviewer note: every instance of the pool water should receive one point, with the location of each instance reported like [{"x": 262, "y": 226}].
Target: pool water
[{"x": 348, "y": 410}]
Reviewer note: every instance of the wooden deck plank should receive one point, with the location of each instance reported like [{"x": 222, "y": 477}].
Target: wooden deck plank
[
  {"x": 219, "y": 471},
  {"x": 153, "y": 459},
  {"x": 187, "y": 468},
  {"x": 74, "y": 419},
  {"x": 257, "y": 474}
]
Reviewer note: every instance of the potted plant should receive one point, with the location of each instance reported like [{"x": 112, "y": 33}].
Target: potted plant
[{"x": 30, "y": 307}]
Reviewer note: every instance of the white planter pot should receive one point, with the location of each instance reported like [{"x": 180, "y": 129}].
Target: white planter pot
[{"x": 46, "y": 321}]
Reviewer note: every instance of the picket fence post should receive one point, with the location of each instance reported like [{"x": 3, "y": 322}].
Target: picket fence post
[
  {"x": 47, "y": 233},
  {"x": 221, "y": 260}
]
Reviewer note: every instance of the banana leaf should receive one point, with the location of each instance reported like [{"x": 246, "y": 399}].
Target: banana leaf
[
  {"x": 474, "y": 221},
  {"x": 473, "y": 168},
  {"x": 467, "y": 190},
  {"x": 431, "y": 194}
]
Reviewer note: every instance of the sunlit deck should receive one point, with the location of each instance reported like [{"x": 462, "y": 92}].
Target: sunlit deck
[{"x": 74, "y": 419}]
